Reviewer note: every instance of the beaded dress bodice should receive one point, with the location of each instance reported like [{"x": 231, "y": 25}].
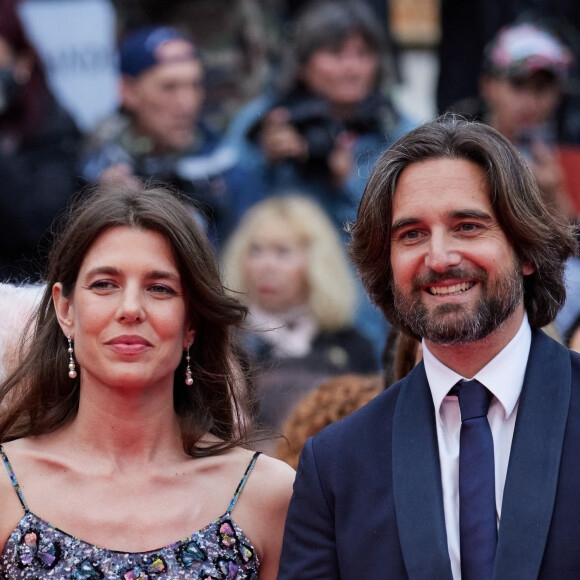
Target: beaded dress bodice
[{"x": 36, "y": 549}]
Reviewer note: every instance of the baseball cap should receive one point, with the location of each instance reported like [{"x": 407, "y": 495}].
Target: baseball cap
[
  {"x": 143, "y": 49},
  {"x": 517, "y": 52}
]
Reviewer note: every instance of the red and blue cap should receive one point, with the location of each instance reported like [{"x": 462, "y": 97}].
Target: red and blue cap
[{"x": 519, "y": 51}]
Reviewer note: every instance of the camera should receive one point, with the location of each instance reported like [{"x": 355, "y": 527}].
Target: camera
[{"x": 315, "y": 121}]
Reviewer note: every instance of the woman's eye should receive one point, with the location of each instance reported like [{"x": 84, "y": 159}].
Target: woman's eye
[
  {"x": 254, "y": 251},
  {"x": 283, "y": 251},
  {"x": 161, "y": 289},
  {"x": 102, "y": 285}
]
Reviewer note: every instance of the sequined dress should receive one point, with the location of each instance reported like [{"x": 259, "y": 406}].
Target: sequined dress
[{"x": 36, "y": 549}]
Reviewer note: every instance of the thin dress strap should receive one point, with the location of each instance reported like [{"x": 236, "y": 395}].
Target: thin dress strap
[
  {"x": 13, "y": 479},
  {"x": 243, "y": 482}
]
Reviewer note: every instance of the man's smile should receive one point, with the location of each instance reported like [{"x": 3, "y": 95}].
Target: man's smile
[{"x": 450, "y": 290}]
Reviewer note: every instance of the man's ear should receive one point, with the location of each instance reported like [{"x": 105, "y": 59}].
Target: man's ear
[
  {"x": 128, "y": 92},
  {"x": 527, "y": 268},
  {"x": 63, "y": 308}
]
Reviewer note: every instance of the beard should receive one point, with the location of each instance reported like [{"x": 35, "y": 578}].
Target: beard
[{"x": 459, "y": 324}]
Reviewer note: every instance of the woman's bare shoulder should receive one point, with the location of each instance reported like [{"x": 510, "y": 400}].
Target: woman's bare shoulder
[
  {"x": 278, "y": 475},
  {"x": 262, "y": 510},
  {"x": 270, "y": 478}
]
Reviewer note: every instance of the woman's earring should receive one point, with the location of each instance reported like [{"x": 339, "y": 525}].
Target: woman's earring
[
  {"x": 72, "y": 373},
  {"x": 188, "y": 377}
]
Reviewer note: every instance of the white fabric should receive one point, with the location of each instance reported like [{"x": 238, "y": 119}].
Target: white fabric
[
  {"x": 504, "y": 377},
  {"x": 290, "y": 333},
  {"x": 76, "y": 43}
]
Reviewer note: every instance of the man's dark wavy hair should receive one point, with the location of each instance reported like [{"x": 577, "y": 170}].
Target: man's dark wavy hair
[{"x": 540, "y": 235}]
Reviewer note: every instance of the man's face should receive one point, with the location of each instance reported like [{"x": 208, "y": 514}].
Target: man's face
[
  {"x": 519, "y": 106},
  {"x": 165, "y": 101},
  {"x": 455, "y": 273}
]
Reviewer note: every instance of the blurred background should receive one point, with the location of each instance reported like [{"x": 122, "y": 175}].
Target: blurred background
[{"x": 236, "y": 103}]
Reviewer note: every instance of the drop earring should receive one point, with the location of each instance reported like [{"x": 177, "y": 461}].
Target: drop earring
[
  {"x": 72, "y": 373},
  {"x": 188, "y": 377}
]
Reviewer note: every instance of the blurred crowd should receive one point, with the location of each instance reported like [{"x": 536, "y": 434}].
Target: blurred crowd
[{"x": 269, "y": 116}]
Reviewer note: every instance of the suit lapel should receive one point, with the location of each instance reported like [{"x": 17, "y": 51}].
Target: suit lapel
[
  {"x": 417, "y": 482},
  {"x": 532, "y": 476}
]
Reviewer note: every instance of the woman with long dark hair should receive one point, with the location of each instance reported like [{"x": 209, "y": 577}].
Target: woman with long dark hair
[{"x": 126, "y": 424}]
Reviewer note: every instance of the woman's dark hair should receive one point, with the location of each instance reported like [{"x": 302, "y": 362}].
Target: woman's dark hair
[
  {"x": 329, "y": 23},
  {"x": 541, "y": 236},
  {"x": 39, "y": 397}
]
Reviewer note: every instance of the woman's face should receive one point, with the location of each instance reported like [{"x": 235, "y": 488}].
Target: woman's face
[
  {"x": 127, "y": 314},
  {"x": 275, "y": 268},
  {"x": 344, "y": 75}
]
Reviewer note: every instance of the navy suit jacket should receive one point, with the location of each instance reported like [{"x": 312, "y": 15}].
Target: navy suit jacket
[{"x": 367, "y": 500}]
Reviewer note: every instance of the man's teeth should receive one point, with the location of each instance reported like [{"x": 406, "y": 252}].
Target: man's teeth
[{"x": 455, "y": 289}]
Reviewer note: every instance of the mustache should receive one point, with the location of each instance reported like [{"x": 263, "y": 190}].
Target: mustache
[{"x": 432, "y": 277}]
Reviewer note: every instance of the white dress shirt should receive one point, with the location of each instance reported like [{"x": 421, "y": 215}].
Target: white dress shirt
[{"x": 504, "y": 377}]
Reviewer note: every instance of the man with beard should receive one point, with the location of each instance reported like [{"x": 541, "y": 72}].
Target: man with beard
[
  {"x": 160, "y": 131},
  {"x": 467, "y": 468}
]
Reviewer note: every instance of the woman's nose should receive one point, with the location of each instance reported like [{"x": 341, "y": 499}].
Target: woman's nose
[{"x": 131, "y": 306}]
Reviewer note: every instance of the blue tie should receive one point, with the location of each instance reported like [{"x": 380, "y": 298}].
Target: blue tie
[{"x": 477, "y": 519}]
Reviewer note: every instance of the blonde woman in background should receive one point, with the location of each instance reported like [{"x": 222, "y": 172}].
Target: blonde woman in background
[
  {"x": 287, "y": 261},
  {"x": 17, "y": 303}
]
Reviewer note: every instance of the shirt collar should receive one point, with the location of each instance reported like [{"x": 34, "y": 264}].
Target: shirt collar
[{"x": 503, "y": 375}]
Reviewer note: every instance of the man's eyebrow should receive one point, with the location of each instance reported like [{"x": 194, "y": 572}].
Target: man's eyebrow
[
  {"x": 403, "y": 223},
  {"x": 471, "y": 213},
  {"x": 455, "y": 214}
]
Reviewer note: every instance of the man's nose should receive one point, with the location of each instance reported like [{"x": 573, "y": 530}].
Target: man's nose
[
  {"x": 442, "y": 253},
  {"x": 187, "y": 100}
]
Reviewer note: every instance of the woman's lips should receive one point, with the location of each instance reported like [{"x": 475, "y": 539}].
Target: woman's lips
[{"x": 129, "y": 344}]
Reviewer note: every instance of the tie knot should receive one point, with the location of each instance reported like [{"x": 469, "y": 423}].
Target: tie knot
[{"x": 474, "y": 399}]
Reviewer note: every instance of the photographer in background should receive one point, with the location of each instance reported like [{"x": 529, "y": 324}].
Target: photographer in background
[
  {"x": 522, "y": 86},
  {"x": 322, "y": 129},
  {"x": 159, "y": 132}
]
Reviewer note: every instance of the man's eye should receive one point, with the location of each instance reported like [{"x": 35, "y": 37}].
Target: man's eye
[
  {"x": 411, "y": 235},
  {"x": 168, "y": 87}
]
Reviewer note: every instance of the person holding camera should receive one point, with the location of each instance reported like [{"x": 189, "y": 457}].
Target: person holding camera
[
  {"x": 159, "y": 132},
  {"x": 523, "y": 88},
  {"x": 322, "y": 128}
]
